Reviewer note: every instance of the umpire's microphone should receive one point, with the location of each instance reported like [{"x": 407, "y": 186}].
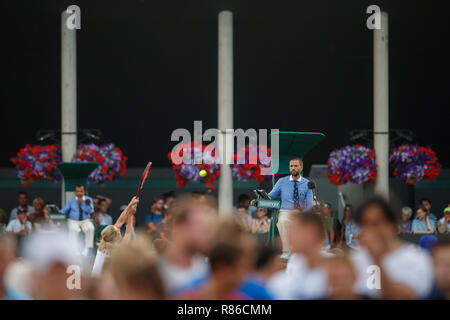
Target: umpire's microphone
[{"x": 312, "y": 186}]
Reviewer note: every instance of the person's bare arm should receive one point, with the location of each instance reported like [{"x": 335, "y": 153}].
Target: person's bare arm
[
  {"x": 37, "y": 227},
  {"x": 123, "y": 216},
  {"x": 129, "y": 230},
  {"x": 393, "y": 290},
  {"x": 331, "y": 233},
  {"x": 151, "y": 227},
  {"x": 254, "y": 226},
  {"x": 19, "y": 233},
  {"x": 424, "y": 231},
  {"x": 430, "y": 227},
  {"x": 341, "y": 238},
  {"x": 27, "y": 229}
]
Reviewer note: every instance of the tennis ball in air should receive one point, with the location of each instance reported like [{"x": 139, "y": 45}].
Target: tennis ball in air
[{"x": 203, "y": 173}]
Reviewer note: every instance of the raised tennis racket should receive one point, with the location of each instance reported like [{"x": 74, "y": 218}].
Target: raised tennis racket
[{"x": 143, "y": 178}]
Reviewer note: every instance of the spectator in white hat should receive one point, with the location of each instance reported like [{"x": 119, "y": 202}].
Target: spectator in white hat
[{"x": 56, "y": 267}]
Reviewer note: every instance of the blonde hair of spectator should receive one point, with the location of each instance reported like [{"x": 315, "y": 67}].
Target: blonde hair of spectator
[
  {"x": 38, "y": 200},
  {"x": 133, "y": 266}
]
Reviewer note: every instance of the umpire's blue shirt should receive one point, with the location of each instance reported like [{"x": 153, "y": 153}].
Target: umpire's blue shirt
[
  {"x": 285, "y": 188},
  {"x": 72, "y": 208}
]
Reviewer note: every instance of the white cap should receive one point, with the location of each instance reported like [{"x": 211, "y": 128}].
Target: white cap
[{"x": 42, "y": 250}]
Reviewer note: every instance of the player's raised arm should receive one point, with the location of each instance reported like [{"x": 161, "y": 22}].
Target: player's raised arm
[
  {"x": 130, "y": 209},
  {"x": 129, "y": 229}
]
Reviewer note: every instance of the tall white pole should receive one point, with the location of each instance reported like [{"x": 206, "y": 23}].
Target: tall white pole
[
  {"x": 68, "y": 92},
  {"x": 225, "y": 109},
  {"x": 381, "y": 105}
]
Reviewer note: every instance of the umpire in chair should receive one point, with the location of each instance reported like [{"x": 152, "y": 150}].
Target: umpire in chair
[
  {"x": 295, "y": 195},
  {"x": 78, "y": 210}
]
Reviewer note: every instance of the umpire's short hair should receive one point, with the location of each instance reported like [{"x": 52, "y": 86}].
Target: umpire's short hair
[
  {"x": 296, "y": 158},
  {"x": 382, "y": 204}
]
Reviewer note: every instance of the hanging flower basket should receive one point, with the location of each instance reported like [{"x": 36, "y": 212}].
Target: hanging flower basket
[
  {"x": 112, "y": 162},
  {"x": 190, "y": 172},
  {"x": 412, "y": 163},
  {"x": 355, "y": 164},
  {"x": 36, "y": 162},
  {"x": 247, "y": 171}
]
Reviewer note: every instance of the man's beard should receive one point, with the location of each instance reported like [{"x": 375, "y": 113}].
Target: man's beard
[{"x": 295, "y": 173}]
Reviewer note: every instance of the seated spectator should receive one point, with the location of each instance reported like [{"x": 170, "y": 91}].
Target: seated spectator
[
  {"x": 169, "y": 199},
  {"x": 351, "y": 229},
  {"x": 405, "y": 225},
  {"x": 261, "y": 223},
  {"x": 427, "y": 204},
  {"x": 328, "y": 219},
  {"x": 38, "y": 208},
  {"x": 97, "y": 199},
  {"x": 39, "y": 218},
  {"x": 422, "y": 224},
  {"x": 403, "y": 272},
  {"x": 165, "y": 226},
  {"x": 155, "y": 216},
  {"x": 102, "y": 218},
  {"x": 244, "y": 202},
  {"x": 441, "y": 259},
  {"x": 444, "y": 223},
  {"x": 20, "y": 226},
  {"x": 340, "y": 230},
  {"x": 22, "y": 200},
  {"x": 243, "y": 218}
]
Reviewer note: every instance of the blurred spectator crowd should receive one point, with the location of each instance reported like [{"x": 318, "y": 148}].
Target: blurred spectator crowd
[{"x": 186, "y": 250}]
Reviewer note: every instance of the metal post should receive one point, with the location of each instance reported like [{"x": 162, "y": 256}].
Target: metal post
[
  {"x": 68, "y": 93},
  {"x": 381, "y": 105},
  {"x": 225, "y": 109}
]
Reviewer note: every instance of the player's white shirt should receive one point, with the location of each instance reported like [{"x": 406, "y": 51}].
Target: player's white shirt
[
  {"x": 298, "y": 281},
  {"x": 176, "y": 277},
  {"x": 100, "y": 259},
  {"x": 408, "y": 264}
]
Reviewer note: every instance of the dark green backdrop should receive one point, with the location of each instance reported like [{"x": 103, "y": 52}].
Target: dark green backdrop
[{"x": 147, "y": 67}]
